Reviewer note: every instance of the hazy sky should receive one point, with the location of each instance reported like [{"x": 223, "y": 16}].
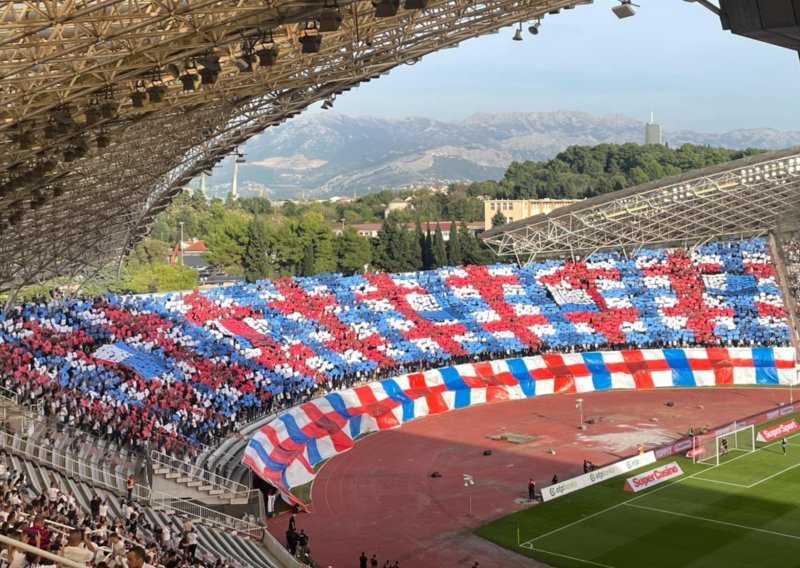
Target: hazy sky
[{"x": 672, "y": 58}]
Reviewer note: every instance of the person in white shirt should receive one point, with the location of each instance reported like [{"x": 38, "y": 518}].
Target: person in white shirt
[
  {"x": 103, "y": 510},
  {"x": 79, "y": 548},
  {"x": 166, "y": 536}
]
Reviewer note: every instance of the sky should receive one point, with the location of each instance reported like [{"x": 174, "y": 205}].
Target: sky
[{"x": 672, "y": 58}]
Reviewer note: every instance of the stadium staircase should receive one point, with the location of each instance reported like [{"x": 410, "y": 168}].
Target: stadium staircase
[
  {"x": 213, "y": 543},
  {"x": 779, "y": 260}
]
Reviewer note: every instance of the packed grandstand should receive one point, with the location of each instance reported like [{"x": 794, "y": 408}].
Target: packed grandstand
[{"x": 179, "y": 373}]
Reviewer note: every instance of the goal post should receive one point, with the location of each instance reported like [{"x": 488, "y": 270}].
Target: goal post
[{"x": 708, "y": 449}]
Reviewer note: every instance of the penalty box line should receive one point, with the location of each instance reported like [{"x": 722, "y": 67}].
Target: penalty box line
[
  {"x": 527, "y": 543},
  {"x": 717, "y": 521}
]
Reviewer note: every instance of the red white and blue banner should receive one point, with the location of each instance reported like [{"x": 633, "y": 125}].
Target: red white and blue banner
[{"x": 286, "y": 451}]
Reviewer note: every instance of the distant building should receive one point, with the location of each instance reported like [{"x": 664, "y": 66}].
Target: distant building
[
  {"x": 397, "y": 204},
  {"x": 370, "y": 230},
  {"x": 652, "y": 131},
  {"x": 516, "y": 209},
  {"x": 192, "y": 255}
]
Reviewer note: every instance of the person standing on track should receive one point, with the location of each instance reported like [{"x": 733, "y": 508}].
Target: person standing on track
[
  {"x": 784, "y": 443},
  {"x": 531, "y": 489}
]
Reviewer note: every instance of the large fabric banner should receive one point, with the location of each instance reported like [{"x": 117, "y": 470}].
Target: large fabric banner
[{"x": 286, "y": 451}]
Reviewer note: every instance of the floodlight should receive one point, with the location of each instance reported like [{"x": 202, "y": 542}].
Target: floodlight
[
  {"x": 191, "y": 81},
  {"x": 625, "y": 9},
  {"x": 156, "y": 93},
  {"x": 207, "y": 76},
  {"x": 310, "y": 43},
  {"x": 330, "y": 19},
  {"x": 533, "y": 29},
  {"x": 109, "y": 109},
  {"x": 267, "y": 56},
  {"x": 518, "y": 33},
  {"x": 386, "y": 8},
  {"x": 245, "y": 62}
]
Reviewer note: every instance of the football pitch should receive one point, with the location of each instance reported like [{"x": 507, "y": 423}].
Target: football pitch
[{"x": 743, "y": 512}]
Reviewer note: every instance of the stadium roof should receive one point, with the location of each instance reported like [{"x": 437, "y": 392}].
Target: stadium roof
[
  {"x": 747, "y": 197},
  {"x": 109, "y": 107}
]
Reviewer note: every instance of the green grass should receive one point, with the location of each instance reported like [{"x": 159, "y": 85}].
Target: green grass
[{"x": 743, "y": 513}]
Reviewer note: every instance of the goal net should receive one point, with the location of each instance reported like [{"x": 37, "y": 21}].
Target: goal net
[{"x": 709, "y": 449}]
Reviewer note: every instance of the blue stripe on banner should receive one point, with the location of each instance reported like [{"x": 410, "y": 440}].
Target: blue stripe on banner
[
  {"x": 601, "y": 378},
  {"x": 408, "y": 411},
  {"x": 682, "y": 374},
  {"x": 294, "y": 431},
  {"x": 463, "y": 398},
  {"x": 764, "y": 362},
  {"x": 452, "y": 379},
  {"x": 313, "y": 452},
  {"x": 355, "y": 426},
  {"x": 520, "y": 372},
  {"x": 394, "y": 391},
  {"x": 264, "y": 456},
  {"x": 337, "y": 403}
]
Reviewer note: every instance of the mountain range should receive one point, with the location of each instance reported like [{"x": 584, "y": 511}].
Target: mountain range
[{"x": 325, "y": 154}]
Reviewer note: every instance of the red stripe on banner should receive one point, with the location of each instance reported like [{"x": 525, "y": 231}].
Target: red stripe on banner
[
  {"x": 638, "y": 367},
  {"x": 326, "y": 425},
  {"x": 417, "y": 381},
  {"x": 497, "y": 393},
  {"x": 436, "y": 403},
  {"x": 564, "y": 384}
]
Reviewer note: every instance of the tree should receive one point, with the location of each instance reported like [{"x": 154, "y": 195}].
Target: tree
[
  {"x": 418, "y": 246},
  {"x": 439, "y": 255},
  {"x": 308, "y": 260},
  {"x": 454, "y": 245},
  {"x": 498, "y": 219},
  {"x": 394, "y": 248},
  {"x": 254, "y": 259},
  {"x": 353, "y": 252},
  {"x": 427, "y": 250}
]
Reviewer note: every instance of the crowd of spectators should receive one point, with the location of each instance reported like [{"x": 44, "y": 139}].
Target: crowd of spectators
[
  {"x": 791, "y": 251},
  {"x": 55, "y": 522},
  {"x": 178, "y": 371}
]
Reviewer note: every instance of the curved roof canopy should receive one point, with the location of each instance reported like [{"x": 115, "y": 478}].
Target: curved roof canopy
[
  {"x": 747, "y": 197},
  {"x": 109, "y": 107}
]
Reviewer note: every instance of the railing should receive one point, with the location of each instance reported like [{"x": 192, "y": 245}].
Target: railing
[
  {"x": 229, "y": 489},
  {"x": 205, "y": 515},
  {"x": 59, "y": 560},
  {"x": 64, "y": 462}
]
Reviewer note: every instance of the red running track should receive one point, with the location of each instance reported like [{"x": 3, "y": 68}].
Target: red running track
[{"x": 379, "y": 497}]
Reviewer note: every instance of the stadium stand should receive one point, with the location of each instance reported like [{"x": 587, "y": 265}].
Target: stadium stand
[
  {"x": 181, "y": 372},
  {"x": 178, "y": 371}
]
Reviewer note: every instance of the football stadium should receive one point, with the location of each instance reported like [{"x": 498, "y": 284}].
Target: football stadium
[{"x": 616, "y": 391}]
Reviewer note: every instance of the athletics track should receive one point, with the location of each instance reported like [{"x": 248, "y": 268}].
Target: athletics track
[{"x": 379, "y": 497}]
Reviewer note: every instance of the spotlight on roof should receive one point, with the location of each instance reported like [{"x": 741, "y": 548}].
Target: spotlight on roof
[
  {"x": 156, "y": 94},
  {"x": 244, "y": 63},
  {"x": 310, "y": 43},
  {"x": 386, "y": 8},
  {"x": 518, "y": 33},
  {"x": 267, "y": 57},
  {"x": 416, "y": 4},
  {"x": 139, "y": 99},
  {"x": 109, "y": 109},
  {"x": 328, "y": 103},
  {"x": 191, "y": 82},
  {"x": 209, "y": 70},
  {"x": 330, "y": 19},
  {"x": 625, "y": 9},
  {"x": 533, "y": 29},
  {"x": 103, "y": 141}
]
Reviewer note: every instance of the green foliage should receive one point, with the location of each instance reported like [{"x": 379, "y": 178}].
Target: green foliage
[
  {"x": 308, "y": 260},
  {"x": 584, "y": 171},
  {"x": 225, "y": 234},
  {"x": 353, "y": 252},
  {"x": 395, "y": 249},
  {"x": 438, "y": 250},
  {"x": 454, "y": 245},
  {"x": 498, "y": 219},
  {"x": 255, "y": 205},
  {"x": 254, "y": 260}
]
